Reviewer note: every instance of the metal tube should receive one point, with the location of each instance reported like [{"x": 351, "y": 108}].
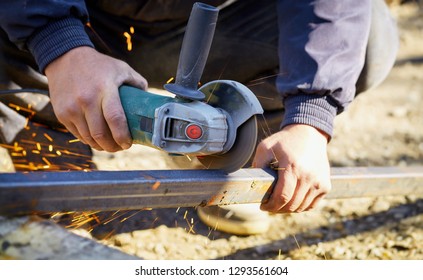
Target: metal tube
[{"x": 24, "y": 193}]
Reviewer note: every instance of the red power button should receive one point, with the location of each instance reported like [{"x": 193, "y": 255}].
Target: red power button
[{"x": 193, "y": 131}]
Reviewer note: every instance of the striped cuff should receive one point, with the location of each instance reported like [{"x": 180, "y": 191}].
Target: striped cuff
[
  {"x": 57, "y": 38},
  {"x": 312, "y": 110}
]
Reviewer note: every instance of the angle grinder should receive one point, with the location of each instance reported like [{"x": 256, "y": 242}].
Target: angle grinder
[{"x": 216, "y": 122}]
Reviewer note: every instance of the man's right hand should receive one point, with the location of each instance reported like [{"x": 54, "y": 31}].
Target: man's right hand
[{"x": 83, "y": 85}]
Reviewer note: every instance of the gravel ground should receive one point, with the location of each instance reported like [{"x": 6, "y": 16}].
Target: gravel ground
[{"x": 383, "y": 127}]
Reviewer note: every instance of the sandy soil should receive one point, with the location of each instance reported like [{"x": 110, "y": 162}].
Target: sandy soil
[{"x": 383, "y": 127}]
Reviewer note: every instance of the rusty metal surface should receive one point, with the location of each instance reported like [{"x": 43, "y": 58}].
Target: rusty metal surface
[{"x": 23, "y": 193}]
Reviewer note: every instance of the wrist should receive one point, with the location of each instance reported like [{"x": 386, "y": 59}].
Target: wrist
[
  {"x": 310, "y": 109},
  {"x": 70, "y": 58},
  {"x": 308, "y": 131}
]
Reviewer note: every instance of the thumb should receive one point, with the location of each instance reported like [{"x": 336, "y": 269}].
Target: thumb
[{"x": 263, "y": 157}]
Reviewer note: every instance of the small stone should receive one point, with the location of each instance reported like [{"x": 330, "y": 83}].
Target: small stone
[
  {"x": 123, "y": 239},
  {"x": 159, "y": 249},
  {"x": 340, "y": 251},
  {"x": 399, "y": 112},
  {"x": 376, "y": 252},
  {"x": 380, "y": 205}
]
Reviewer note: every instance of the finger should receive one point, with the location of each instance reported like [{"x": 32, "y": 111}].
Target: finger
[
  {"x": 99, "y": 130},
  {"x": 116, "y": 120},
  {"x": 94, "y": 145},
  {"x": 81, "y": 131},
  {"x": 315, "y": 202},
  {"x": 80, "y": 126},
  {"x": 74, "y": 131},
  {"x": 263, "y": 156},
  {"x": 86, "y": 137},
  {"x": 283, "y": 191},
  {"x": 308, "y": 200},
  {"x": 298, "y": 197}
]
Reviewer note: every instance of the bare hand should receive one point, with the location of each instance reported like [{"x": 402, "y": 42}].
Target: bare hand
[
  {"x": 83, "y": 86},
  {"x": 304, "y": 171}
]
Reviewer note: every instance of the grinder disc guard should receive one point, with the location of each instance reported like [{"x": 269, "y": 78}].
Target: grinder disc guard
[{"x": 242, "y": 106}]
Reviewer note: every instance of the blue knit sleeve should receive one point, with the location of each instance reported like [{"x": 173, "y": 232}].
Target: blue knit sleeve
[
  {"x": 46, "y": 28},
  {"x": 322, "y": 47},
  {"x": 55, "y": 39}
]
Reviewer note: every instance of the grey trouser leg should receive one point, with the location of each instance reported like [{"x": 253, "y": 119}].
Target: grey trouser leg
[{"x": 382, "y": 48}]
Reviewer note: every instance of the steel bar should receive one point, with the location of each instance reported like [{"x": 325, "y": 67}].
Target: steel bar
[{"x": 24, "y": 193}]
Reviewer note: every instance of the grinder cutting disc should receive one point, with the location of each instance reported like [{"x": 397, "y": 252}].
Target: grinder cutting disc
[
  {"x": 241, "y": 151},
  {"x": 241, "y": 107}
]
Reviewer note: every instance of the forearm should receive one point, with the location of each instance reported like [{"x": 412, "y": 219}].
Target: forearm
[
  {"x": 46, "y": 28},
  {"x": 322, "y": 50}
]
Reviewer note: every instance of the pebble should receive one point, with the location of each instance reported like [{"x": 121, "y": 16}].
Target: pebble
[
  {"x": 123, "y": 239},
  {"x": 160, "y": 249},
  {"x": 399, "y": 112},
  {"x": 380, "y": 205}
]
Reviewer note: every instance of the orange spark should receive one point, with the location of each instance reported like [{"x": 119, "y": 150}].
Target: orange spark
[
  {"x": 73, "y": 166},
  {"x": 48, "y": 137},
  {"x": 15, "y": 147},
  {"x": 75, "y": 154},
  {"x": 128, "y": 41},
  {"x": 29, "y": 166},
  {"x": 156, "y": 185},
  {"x": 19, "y": 108},
  {"x": 46, "y": 161}
]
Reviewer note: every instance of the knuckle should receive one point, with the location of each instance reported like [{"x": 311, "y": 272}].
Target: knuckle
[
  {"x": 284, "y": 198},
  {"x": 88, "y": 139},
  {"x": 84, "y": 100},
  {"x": 115, "y": 119},
  {"x": 264, "y": 145},
  {"x": 322, "y": 188},
  {"x": 121, "y": 63},
  {"x": 292, "y": 208},
  {"x": 105, "y": 141},
  {"x": 99, "y": 136}
]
